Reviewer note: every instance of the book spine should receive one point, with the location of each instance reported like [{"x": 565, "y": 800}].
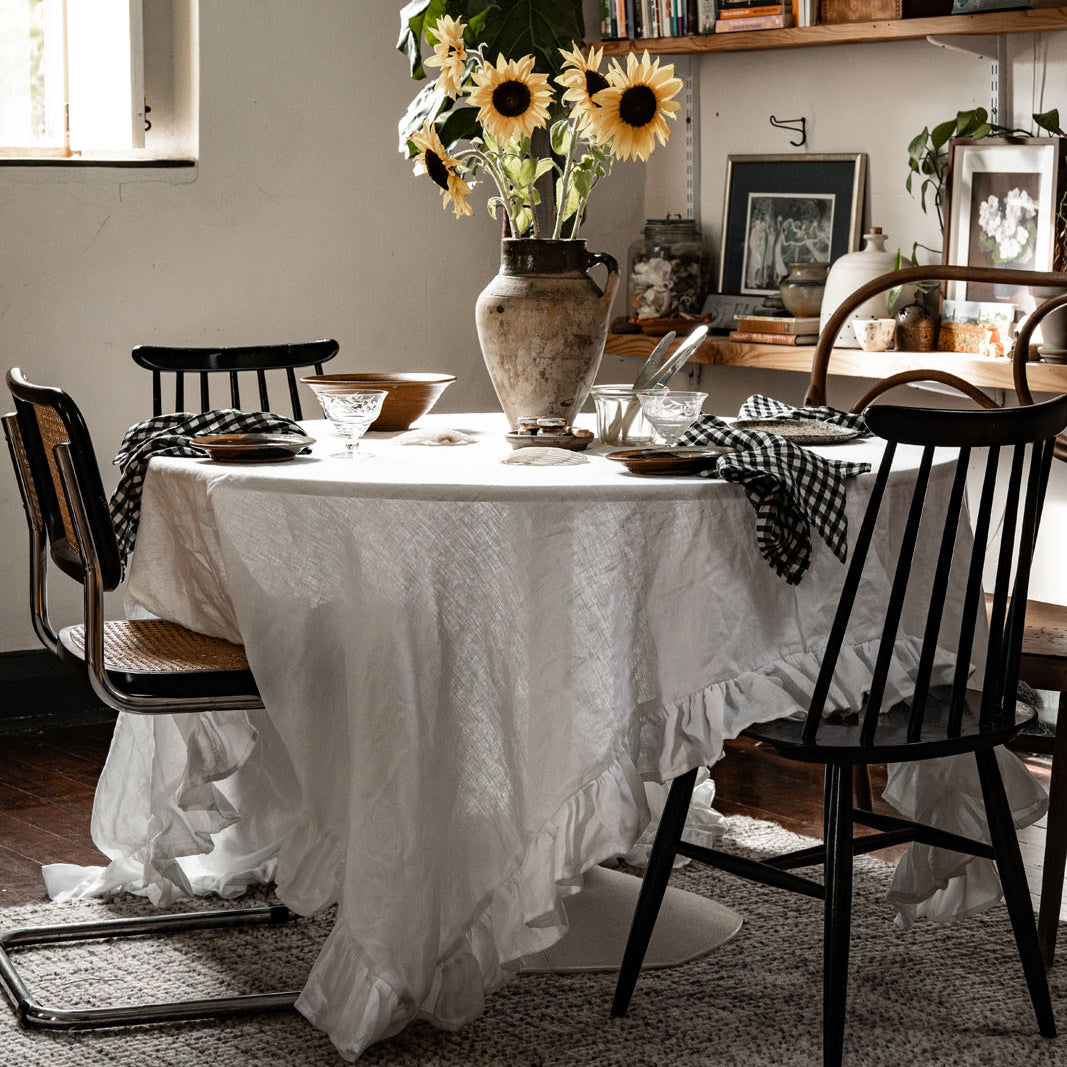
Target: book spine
[
  {"x": 631, "y": 19},
  {"x": 748, "y": 326},
  {"x": 752, "y": 12},
  {"x": 706, "y": 22},
  {"x": 773, "y": 338},
  {"x": 765, "y": 22}
]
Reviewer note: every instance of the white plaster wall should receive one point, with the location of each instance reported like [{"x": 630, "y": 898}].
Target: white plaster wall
[{"x": 303, "y": 221}]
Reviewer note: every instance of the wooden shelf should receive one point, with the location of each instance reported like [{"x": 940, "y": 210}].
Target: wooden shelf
[
  {"x": 1040, "y": 20},
  {"x": 983, "y": 371}
]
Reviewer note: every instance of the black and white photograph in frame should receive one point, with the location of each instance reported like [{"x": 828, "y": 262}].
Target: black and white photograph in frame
[{"x": 787, "y": 209}]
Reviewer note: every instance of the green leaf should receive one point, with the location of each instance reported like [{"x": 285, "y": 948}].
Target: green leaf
[
  {"x": 941, "y": 133},
  {"x": 523, "y": 220},
  {"x": 980, "y": 131},
  {"x": 414, "y": 17},
  {"x": 427, "y": 105},
  {"x": 459, "y": 124},
  {"x": 560, "y": 135},
  {"x": 1050, "y": 121},
  {"x": 543, "y": 167},
  {"x": 918, "y": 144},
  {"x": 533, "y": 27}
]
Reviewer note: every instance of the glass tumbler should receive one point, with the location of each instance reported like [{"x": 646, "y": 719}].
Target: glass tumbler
[{"x": 620, "y": 419}]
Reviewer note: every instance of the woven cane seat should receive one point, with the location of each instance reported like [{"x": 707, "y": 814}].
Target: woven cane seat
[{"x": 158, "y": 656}]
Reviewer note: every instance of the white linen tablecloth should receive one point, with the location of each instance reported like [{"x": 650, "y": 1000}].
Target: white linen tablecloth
[{"x": 469, "y": 669}]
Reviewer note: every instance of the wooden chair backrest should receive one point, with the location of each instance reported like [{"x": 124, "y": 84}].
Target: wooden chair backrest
[{"x": 250, "y": 360}]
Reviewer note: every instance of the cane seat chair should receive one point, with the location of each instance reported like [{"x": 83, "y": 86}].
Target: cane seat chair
[
  {"x": 145, "y": 667},
  {"x": 1044, "y": 650},
  {"x": 236, "y": 363},
  {"x": 940, "y": 715}
]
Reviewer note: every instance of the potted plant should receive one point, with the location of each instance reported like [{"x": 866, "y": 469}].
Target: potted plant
[{"x": 493, "y": 118}]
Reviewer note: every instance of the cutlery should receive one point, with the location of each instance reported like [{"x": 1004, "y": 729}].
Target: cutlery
[
  {"x": 673, "y": 364},
  {"x": 652, "y": 364}
]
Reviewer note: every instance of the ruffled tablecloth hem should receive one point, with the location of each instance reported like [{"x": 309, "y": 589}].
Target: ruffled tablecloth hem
[{"x": 346, "y": 997}]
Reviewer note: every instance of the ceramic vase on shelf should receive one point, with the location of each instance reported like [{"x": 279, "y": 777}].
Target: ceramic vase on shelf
[
  {"x": 542, "y": 323},
  {"x": 802, "y": 288},
  {"x": 847, "y": 274}
]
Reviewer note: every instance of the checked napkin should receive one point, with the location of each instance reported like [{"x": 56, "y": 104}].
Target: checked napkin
[
  {"x": 790, "y": 488},
  {"x": 168, "y": 435}
]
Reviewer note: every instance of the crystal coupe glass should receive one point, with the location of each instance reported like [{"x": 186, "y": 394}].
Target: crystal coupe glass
[
  {"x": 672, "y": 413},
  {"x": 351, "y": 415}
]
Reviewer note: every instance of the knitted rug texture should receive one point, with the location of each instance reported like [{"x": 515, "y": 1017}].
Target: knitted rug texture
[{"x": 951, "y": 994}]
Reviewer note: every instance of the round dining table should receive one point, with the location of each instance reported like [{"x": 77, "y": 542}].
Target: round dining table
[{"x": 469, "y": 669}]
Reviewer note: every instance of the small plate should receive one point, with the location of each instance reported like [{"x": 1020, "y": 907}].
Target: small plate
[
  {"x": 574, "y": 442},
  {"x": 252, "y": 447},
  {"x": 690, "y": 459},
  {"x": 800, "y": 431}
]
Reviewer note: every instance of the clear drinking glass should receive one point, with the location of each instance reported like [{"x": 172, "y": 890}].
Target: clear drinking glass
[
  {"x": 619, "y": 418},
  {"x": 351, "y": 415},
  {"x": 672, "y": 413}
]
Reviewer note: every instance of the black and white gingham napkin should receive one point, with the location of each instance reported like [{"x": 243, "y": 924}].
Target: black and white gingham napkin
[
  {"x": 759, "y": 406},
  {"x": 790, "y": 488},
  {"x": 168, "y": 435}
]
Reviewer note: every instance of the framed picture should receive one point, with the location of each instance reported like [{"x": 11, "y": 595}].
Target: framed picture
[
  {"x": 1004, "y": 197},
  {"x": 787, "y": 209}
]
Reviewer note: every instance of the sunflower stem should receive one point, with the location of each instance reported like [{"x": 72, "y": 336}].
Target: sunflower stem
[
  {"x": 565, "y": 181},
  {"x": 498, "y": 180},
  {"x": 535, "y": 221}
]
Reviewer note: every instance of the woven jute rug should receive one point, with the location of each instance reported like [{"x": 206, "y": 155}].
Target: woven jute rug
[{"x": 936, "y": 995}]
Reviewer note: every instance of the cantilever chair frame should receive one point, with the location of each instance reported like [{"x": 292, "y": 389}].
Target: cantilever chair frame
[
  {"x": 232, "y": 361},
  {"x": 97, "y": 575},
  {"x": 933, "y": 723}
]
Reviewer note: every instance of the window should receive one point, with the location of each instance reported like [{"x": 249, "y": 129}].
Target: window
[{"x": 73, "y": 80}]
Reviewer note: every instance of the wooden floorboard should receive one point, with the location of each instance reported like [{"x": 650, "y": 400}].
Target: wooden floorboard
[{"x": 47, "y": 779}]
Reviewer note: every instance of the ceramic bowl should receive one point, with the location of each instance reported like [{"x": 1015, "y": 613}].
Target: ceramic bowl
[
  {"x": 875, "y": 335},
  {"x": 411, "y": 395}
]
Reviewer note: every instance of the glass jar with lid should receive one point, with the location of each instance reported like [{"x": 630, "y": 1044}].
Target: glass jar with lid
[{"x": 669, "y": 271}]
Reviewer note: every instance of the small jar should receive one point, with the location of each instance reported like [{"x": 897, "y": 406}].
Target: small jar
[
  {"x": 916, "y": 328},
  {"x": 620, "y": 419},
  {"x": 669, "y": 271}
]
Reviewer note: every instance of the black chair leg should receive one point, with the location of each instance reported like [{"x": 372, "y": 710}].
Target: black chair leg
[
  {"x": 1016, "y": 891},
  {"x": 653, "y": 886},
  {"x": 837, "y": 915},
  {"x": 1048, "y": 919}
]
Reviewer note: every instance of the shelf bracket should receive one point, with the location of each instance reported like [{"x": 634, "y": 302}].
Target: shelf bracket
[{"x": 993, "y": 47}]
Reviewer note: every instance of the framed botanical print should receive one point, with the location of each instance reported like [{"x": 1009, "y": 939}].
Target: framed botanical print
[
  {"x": 787, "y": 209},
  {"x": 1005, "y": 196}
]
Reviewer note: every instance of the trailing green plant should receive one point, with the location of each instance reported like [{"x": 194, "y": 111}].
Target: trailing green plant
[{"x": 928, "y": 152}]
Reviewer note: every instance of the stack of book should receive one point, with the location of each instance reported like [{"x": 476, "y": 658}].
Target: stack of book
[
  {"x": 736, "y": 16},
  {"x": 636, "y": 19},
  {"x": 775, "y": 330}
]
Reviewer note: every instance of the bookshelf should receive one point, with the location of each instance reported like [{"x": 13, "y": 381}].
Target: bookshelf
[
  {"x": 984, "y": 371},
  {"x": 1039, "y": 20}
]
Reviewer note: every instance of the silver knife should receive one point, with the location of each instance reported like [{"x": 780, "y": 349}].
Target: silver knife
[
  {"x": 652, "y": 364},
  {"x": 674, "y": 363}
]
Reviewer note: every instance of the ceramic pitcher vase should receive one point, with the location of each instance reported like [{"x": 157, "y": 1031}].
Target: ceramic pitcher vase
[{"x": 542, "y": 322}]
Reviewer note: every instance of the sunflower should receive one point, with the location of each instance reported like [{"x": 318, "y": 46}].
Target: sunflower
[
  {"x": 449, "y": 54},
  {"x": 442, "y": 169},
  {"x": 512, "y": 100},
  {"x": 632, "y": 112},
  {"x": 582, "y": 78}
]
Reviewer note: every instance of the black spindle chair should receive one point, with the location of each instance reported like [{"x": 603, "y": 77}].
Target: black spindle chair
[
  {"x": 145, "y": 667},
  {"x": 939, "y": 718},
  {"x": 233, "y": 362}
]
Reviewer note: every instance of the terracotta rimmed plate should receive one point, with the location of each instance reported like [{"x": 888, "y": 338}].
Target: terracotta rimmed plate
[
  {"x": 801, "y": 431},
  {"x": 574, "y": 442},
  {"x": 252, "y": 447},
  {"x": 689, "y": 459}
]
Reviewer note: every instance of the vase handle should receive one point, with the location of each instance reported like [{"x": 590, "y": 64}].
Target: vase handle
[{"x": 612, "y": 284}]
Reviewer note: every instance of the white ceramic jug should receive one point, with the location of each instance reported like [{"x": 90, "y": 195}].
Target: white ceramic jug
[{"x": 847, "y": 274}]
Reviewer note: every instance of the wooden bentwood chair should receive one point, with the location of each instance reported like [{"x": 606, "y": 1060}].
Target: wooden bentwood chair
[
  {"x": 144, "y": 667},
  {"x": 1043, "y": 663},
  {"x": 936, "y": 720},
  {"x": 234, "y": 362}
]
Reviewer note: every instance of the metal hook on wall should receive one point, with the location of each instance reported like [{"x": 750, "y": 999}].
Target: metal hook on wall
[{"x": 796, "y": 126}]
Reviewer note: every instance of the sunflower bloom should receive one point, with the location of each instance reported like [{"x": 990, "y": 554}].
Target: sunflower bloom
[
  {"x": 450, "y": 55},
  {"x": 582, "y": 79},
  {"x": 512, "y": 100},
  {"x": 633, "y": 111},
  {"x": 442, "y": 169}
]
